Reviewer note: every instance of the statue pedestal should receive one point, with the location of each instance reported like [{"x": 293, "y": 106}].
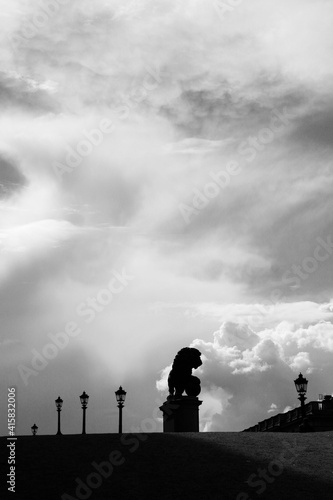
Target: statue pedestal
[{"x": 181, "y": 415}]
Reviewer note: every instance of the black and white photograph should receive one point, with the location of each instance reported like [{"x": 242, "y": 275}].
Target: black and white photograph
[{"x": 166, "y": 249}]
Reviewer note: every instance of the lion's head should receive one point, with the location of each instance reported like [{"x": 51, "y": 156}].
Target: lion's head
[{"x": 188, "y": 357}]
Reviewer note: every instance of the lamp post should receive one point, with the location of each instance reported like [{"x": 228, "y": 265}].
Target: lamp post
[
  {"x": 84, "y": 402},
  {"x": 121, "y": 396},
  {"x": 58, "y": 403},
  {"x": 301, "y": 385},
  {"x": 34, "y": 429}
]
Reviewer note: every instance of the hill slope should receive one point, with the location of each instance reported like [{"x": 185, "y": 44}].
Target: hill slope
[{"x": 212, "y": 466}]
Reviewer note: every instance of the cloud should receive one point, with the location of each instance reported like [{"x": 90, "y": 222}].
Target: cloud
[
  {"x": 273, "y": 408},
  {"x": 193, "y": 146},
  {"x": 20, "y": 92},
  {"x": 301, "y": 362},
  {"x": 23, "y": 245},
  {"x": 11, "y": 178}
]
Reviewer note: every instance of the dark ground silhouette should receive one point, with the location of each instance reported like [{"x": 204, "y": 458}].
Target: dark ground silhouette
[{"x": 195, "y": 466}]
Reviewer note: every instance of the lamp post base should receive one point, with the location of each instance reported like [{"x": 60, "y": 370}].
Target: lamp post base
[{"x": 181, "y": 414}]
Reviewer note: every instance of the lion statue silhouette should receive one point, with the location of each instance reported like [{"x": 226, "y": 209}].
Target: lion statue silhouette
[{"x": 180, "y": 377}]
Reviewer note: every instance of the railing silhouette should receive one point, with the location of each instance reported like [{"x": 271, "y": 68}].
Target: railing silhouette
[{"x": 286, "y": 420}]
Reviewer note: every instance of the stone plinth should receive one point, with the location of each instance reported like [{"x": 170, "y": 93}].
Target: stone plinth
[{"x": 181, "y": 415}]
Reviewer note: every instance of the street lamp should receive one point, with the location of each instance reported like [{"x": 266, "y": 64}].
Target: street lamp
[
  {"x": 58, "y": 403},
  {"x": 84, "y": 402},
  {"x": 301, "y": 385},
  {"x": 34, "y": 429},
  {"x": 121, "y": 396}
]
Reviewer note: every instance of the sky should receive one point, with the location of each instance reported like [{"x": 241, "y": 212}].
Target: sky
[{"x": 165, "y": 181}]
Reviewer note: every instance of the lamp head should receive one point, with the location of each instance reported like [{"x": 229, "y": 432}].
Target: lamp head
[
  {"x": 59, "y": 403},
  {"x": 121, "y": 395},
  {"x": 84, "y": 399},
  {"x": 301, "y": 384}
]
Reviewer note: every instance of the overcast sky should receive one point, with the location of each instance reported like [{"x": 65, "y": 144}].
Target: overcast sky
[{"x": 165, "y": 181}]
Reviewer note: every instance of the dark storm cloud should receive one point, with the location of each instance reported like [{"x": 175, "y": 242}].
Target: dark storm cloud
[
  {"x": 11, "y": 179},
  {"x": 229, "y": 110},
  {"x": 315, "y": 130},
  {"x": 24, "y": 93}
]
